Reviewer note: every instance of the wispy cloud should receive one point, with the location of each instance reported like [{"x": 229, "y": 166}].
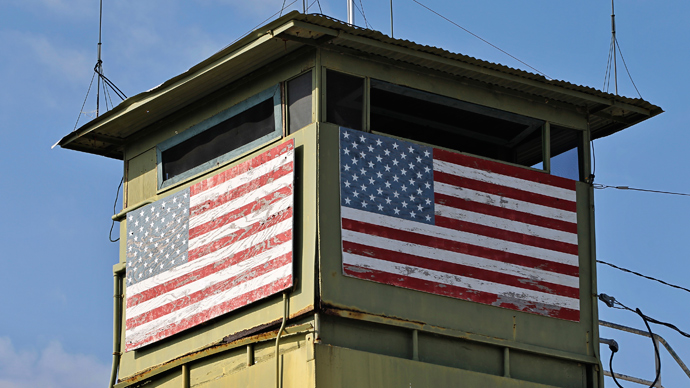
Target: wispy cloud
[{"x": 51, "y": 367}]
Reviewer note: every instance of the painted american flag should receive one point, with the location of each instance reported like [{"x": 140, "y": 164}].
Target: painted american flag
[
  {"x": 459, "y": 226},
  {"x": 211, "y": 248}
]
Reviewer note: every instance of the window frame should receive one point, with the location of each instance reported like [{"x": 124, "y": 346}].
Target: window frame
[{"x": 214, "y": 120}]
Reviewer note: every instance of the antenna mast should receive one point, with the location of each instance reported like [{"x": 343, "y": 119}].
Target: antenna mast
[
  {"x": 99, "y": 63},
  {"x": 613, "y": 42},
  {"x": 351, "y": 12}
]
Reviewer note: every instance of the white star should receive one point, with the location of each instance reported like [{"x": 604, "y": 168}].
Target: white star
[
  {"x": 371, "y": 197},
  {"x": 387, "y": 168},
  {"x": 355, "y": 193},
  {"x": 403, "y": 155},
  {"x": 175, "y": 200},
  {"x": 411, "y": 182},
  {"x": 370, "y": 148},
  {"x": 178, "y": 252},
  {"x": 395, "y": 162},
  {"x": 395, "y": 178},
  {"x": 129, "y": 248},
  {"x": 354, "y": 160},
  {"x": 379, "y": 158},
  {"x": 378, "y": 142},
  {"x": 136, "y": 223},
  {"x": 428, "y": 218},
  {"x": 371, "y": 164},
  {"x": 419, "y": 160},
  {"x": 362, "y": 154},
  {"x": 147, "y": 219},
  {"x": 404, "y": 204},
  {"x": 354, "y": 177},
  {"x": 363, "y": 171},
  {"x": 411, "y": 166},
  {"x": 380, "y": 207},
  {"x": 388, "y": 201},
  {"x": 371, "y": 181},
  {"x": 419, "y": 174},
  {"x": 428, "y": 201},
  {"x": 420, "y": 207},
  {"x": 156, "y": 261},
  {"x": 404, "y": 188},
  {"x": 386, "y": 152},
  {"x": 152, "y": 209},
  {"x": 403, "y": 171},
  {"x": 413, "y": 214},
  {"x": 163, "y": 220},
  {"x": 411, "y": 197},
  {"x": 185, "y": 195},
  {"x": 395, "y": 146},
  {"x": 396, "y": 211},
  {"x": 362, "y": 138},
  {"x": 427, "y": 169},
  {"x": 388, "y": 185},
  {"x": 354, "y": 144},
  {"x": 379, "y": 175},
  {"x": 346, "y": 151},
  {"x": 426, "y": 153},
  {"x": 364, "y": 188},
  {"x": 379, "y": 191},
  {"x": 427, "y": 185},
  {"x": 411, "y": 149},
  {"x": 346, "y": 135},
  {"x": 347, "y": 183},
  {"x": 364, "y": 203},
  {"x": 346, "y": 167},
  {"x": 419, "y": 191},
  {"x": 395, "y": 194},
  {"x": 347, "y": 201}
]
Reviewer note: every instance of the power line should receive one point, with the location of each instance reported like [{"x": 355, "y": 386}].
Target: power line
[
  {"x": 601, "y": 187},
  {"x": 482, "y": 39},
  {"x": 644, "y": 276}
]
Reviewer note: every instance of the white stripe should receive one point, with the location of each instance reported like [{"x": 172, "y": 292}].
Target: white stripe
[
  {"x": 203, "y": 261},
  {"x": 241, "y": 179},
  {"x": 456, "y": 235},
  {"x": 504, "y": 180},
  {"x": 205, "y": 282},
  {"x": 261, "y": 215},
  {"x": 148, "y": 329},
  {"x": 506, "y": 224},
  {"x": 501, "y": 290},
  {"x": 237, "y": 203},
  {"x": 533, "y": 274},
  {"x": 504, "y": 202}
]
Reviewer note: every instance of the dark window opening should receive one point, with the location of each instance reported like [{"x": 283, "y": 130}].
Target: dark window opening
[
  {"x": 299, "y": 102},
  {"x": 344, "y": 99},
  {"x": 226, "y": 136},
  {"x": 454, "y": 124}
]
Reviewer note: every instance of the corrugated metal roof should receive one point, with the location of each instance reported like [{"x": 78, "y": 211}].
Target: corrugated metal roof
[{"x": 106, "y": 134}]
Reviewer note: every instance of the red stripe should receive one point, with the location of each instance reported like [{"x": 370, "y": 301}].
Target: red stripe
[
  {"x": 509, "y": 214},
  {"x": 503, "y": 191},
  {"x": 242, "y": 167},
  {"x": 502, "y": 234},
  {"x": 459, "y": 247},
  {"x": 460, "y": 293},
  {"x": 210, "y": 291},
  {"x": 243, "y": 233},
  {"x": 215, "y": 311},
  {"x": 255, "y": 206},
  {"x": 460, "y": 270},
  {"x": 210, "y": 269},
  {"x": 504, "y": 169},
  {"x": 239, "y": 191}
]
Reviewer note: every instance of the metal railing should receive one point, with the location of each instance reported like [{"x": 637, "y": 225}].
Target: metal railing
[{"x": 657, "y": 338}]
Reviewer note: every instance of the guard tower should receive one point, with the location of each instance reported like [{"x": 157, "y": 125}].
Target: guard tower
[{"x": 319, "y": 205}]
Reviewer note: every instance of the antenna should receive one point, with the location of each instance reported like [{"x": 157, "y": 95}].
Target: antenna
[
  {"x": 613, "y": 42},
  {"x": 99, "y": 63},
  {"x": 391, "y": 18}
]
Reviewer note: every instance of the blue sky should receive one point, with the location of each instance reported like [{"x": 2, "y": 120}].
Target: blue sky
[{"x": 56, "y": 283}]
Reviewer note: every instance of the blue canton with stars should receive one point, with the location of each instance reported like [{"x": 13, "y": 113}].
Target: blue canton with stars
[
  {"x": 386, "y": 176},
  {"x": 157, "y": 237}
]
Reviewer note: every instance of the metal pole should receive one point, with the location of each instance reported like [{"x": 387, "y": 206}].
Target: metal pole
[
  {"x": 391, "y": 18},
  {"x": 613, "y": 37},
  {"x": 351, "y": 12}
]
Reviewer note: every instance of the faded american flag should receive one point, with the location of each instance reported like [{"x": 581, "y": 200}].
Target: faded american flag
[
  {"x": 210, "y": 248},
  {"x": 450, "y": 224}
]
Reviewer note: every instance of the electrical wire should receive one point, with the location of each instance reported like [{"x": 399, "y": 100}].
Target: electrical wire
[
  {"x": 482, "y": 39},
  {"x": 84, "y": 104},
  {"x": 366, "y": 22},
  {"x": 643, "y": 276},
  {"x": 601, "y": 187},
  {"x": 117, "y": 195},
  {"x": 257, "y": 26},
  {"x": 611, "y": 302}
]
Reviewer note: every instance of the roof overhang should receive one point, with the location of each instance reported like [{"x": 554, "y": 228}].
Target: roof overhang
[{"x": 107, "y": 134}]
